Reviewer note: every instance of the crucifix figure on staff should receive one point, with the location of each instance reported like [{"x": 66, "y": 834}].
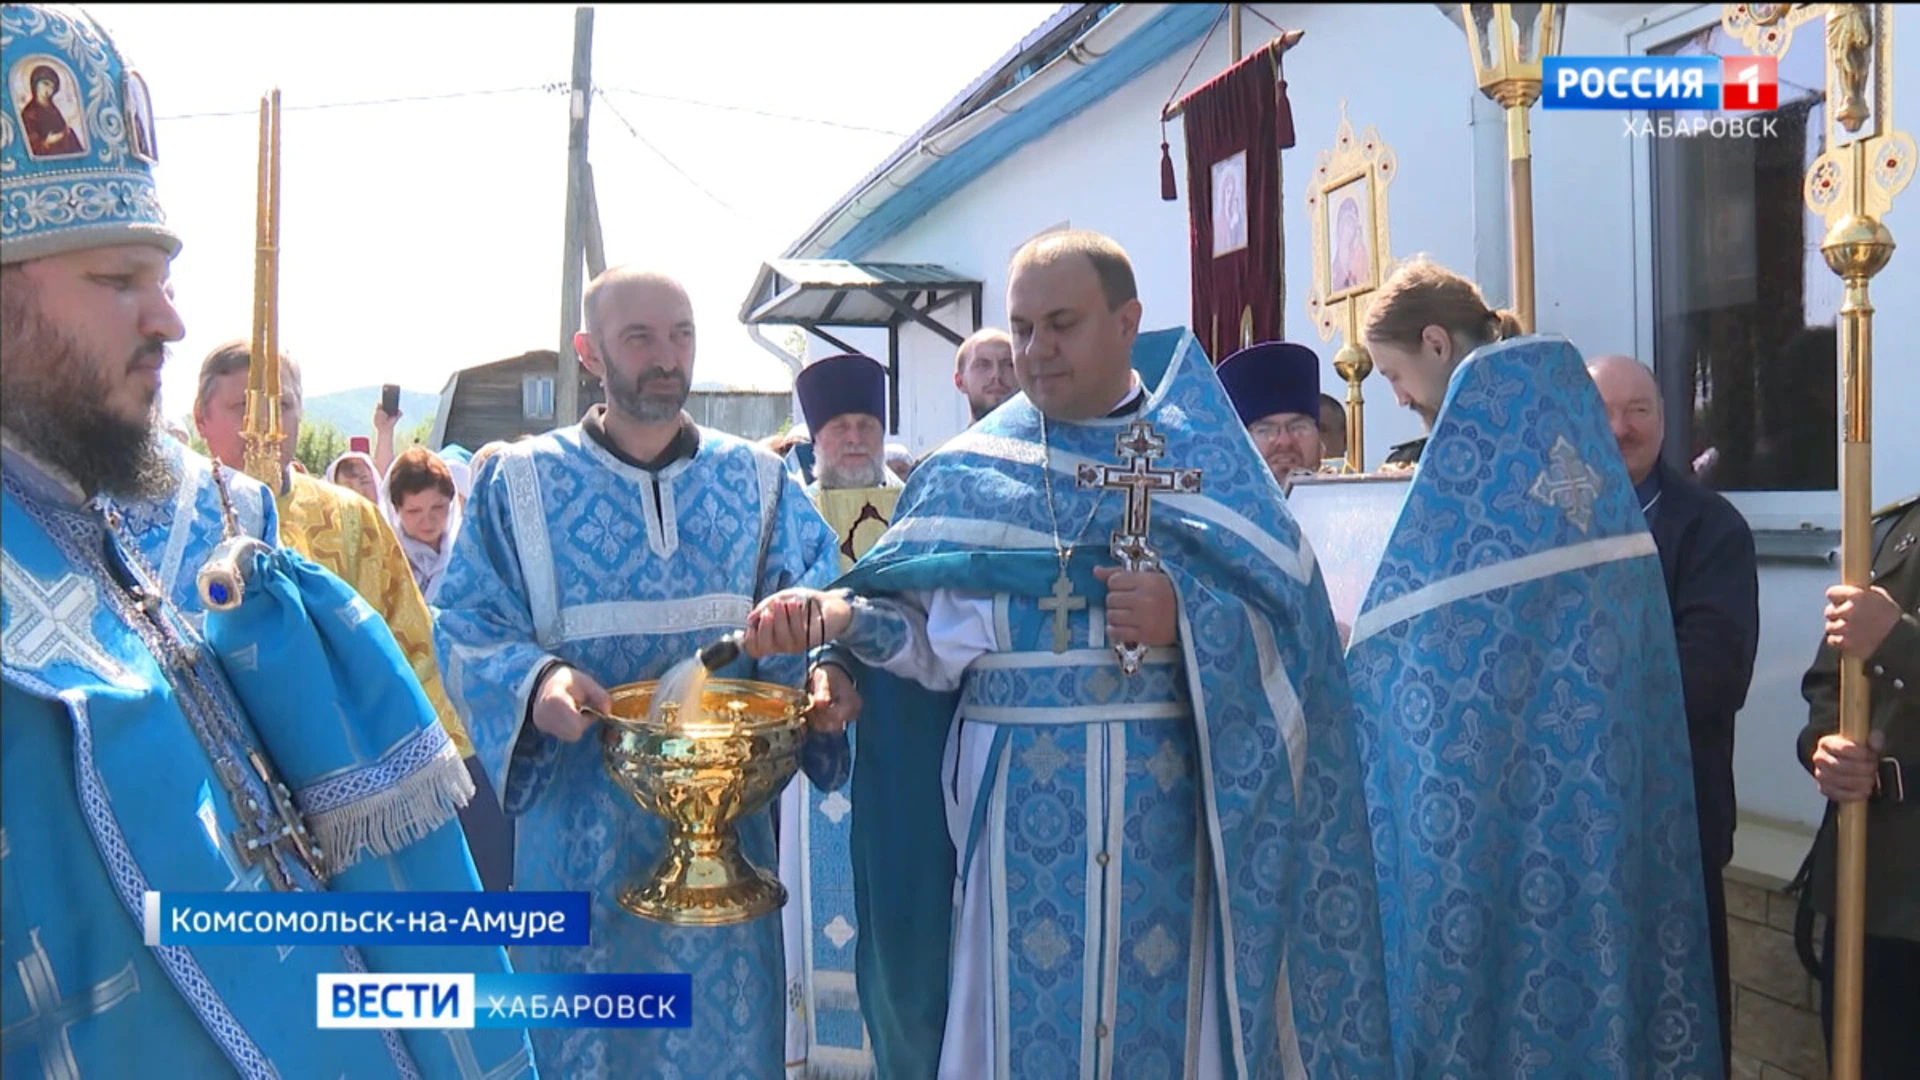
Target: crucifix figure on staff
[{"x": 983, "y": 628}]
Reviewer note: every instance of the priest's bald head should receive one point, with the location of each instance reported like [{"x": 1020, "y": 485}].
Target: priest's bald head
[
  {"x": 1074, "y": 311},
  {"x": 638, "y": 340}
]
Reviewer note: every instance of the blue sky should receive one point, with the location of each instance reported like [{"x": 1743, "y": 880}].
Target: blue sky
[{"x": 422, "y": 237}]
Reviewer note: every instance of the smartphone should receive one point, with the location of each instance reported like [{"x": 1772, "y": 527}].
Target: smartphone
[{"x": 390, "y": 399}]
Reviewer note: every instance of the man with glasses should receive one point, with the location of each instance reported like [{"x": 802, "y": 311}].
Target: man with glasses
[{"x": 1275, "y": 387}]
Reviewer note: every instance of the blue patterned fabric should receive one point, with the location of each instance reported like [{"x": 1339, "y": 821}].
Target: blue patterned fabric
[
  {"x": 1526, "y": 749},
  {"x": 1124, "y": 818},
  {"x": 76, "y": 139},
  {"x": 826, "y": 1037},
  {"x": 566, "y": 555},
  {"x": 117, "y": 716},
  {"x": 352, "y": 731}
]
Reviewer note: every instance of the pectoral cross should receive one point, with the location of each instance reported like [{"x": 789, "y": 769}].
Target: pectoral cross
[
  {"x": 1063, "y": 602},
  {"x": 267, "y": 833},
  {"x": 1138, "y": 447},
  {"x": 243, "y": 874}
]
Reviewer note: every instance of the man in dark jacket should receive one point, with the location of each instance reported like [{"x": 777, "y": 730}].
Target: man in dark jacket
[
  {"x": 1880, "y": 626},
  {"x": 1713, "y": 586}
]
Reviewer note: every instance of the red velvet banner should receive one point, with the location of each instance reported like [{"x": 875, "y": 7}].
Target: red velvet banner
[{"x": 1236, "y": 126}]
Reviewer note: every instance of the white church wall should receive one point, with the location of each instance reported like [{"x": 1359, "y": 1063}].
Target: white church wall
[
  {"x": 1769, "y": 781},
  {"x": 931, "y": 410},
  {"x": 1583, "y": 201}
]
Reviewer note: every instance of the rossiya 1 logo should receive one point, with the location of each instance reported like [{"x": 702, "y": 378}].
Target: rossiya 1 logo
[{"x": 1746, "y": 86}]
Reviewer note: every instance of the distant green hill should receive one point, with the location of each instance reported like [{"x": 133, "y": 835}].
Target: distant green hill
[{"x": 352, "y": 410}]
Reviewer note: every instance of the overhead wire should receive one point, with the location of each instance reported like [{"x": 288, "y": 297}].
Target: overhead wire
[
  {"x": 552, "y": 87},
  {"x": 600, "y": 92},
  {"x": 671, "y": 164},
  {"x": 756, "y": 112}
]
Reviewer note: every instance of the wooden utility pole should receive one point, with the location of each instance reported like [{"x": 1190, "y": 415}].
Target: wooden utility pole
[
  {"x": 566, "y": 382},
  {"x": 596, "y": 245},
  {"x": 1233, "y": 30}
]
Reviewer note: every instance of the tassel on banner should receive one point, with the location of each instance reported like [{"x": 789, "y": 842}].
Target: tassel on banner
[{"x": 1168, "y": 192}]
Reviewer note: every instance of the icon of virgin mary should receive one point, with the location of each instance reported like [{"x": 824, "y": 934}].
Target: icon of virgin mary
[{"x": 49, "y": 135}]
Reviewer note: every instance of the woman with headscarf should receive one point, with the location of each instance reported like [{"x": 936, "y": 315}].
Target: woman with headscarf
[{"x": 354, "y": 471}]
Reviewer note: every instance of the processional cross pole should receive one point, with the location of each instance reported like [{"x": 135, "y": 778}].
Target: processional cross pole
[
  {"x": 1851, "y": 185},
  {"x": 1138, "y": 447}
]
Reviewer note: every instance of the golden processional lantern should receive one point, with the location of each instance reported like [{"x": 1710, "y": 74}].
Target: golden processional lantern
[{"x": 1509, "y": 43}]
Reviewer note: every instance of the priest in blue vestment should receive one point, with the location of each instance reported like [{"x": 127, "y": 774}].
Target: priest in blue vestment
[
  {"x": 1528, "y": 774},
  {"x": 1159, "y": 873},
  {"x": 600, "y": 554},
  {"x": 275, "y": 741}
]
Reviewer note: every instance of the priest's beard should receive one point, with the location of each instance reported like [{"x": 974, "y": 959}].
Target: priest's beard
[
  {"x": 833, "y": 478},
  {"x": 55, "y": 407},
  {"x": 651, "y": 396}
]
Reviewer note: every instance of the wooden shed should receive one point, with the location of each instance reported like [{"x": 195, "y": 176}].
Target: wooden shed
[{"x": 503, "y": 400}]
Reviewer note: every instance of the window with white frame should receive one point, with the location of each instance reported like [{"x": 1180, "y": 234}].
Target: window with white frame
[
  {"x": 1743, "y": 302},
  {"x": 536, "y": 397}
]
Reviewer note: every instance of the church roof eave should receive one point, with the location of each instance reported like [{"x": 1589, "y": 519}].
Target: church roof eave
[
  {"x": 963, "y": 104},
  {"x": 1079, "y": 57}
]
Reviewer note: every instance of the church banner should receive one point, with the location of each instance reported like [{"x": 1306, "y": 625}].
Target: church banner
[{"x": 1236, "y": 126}]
